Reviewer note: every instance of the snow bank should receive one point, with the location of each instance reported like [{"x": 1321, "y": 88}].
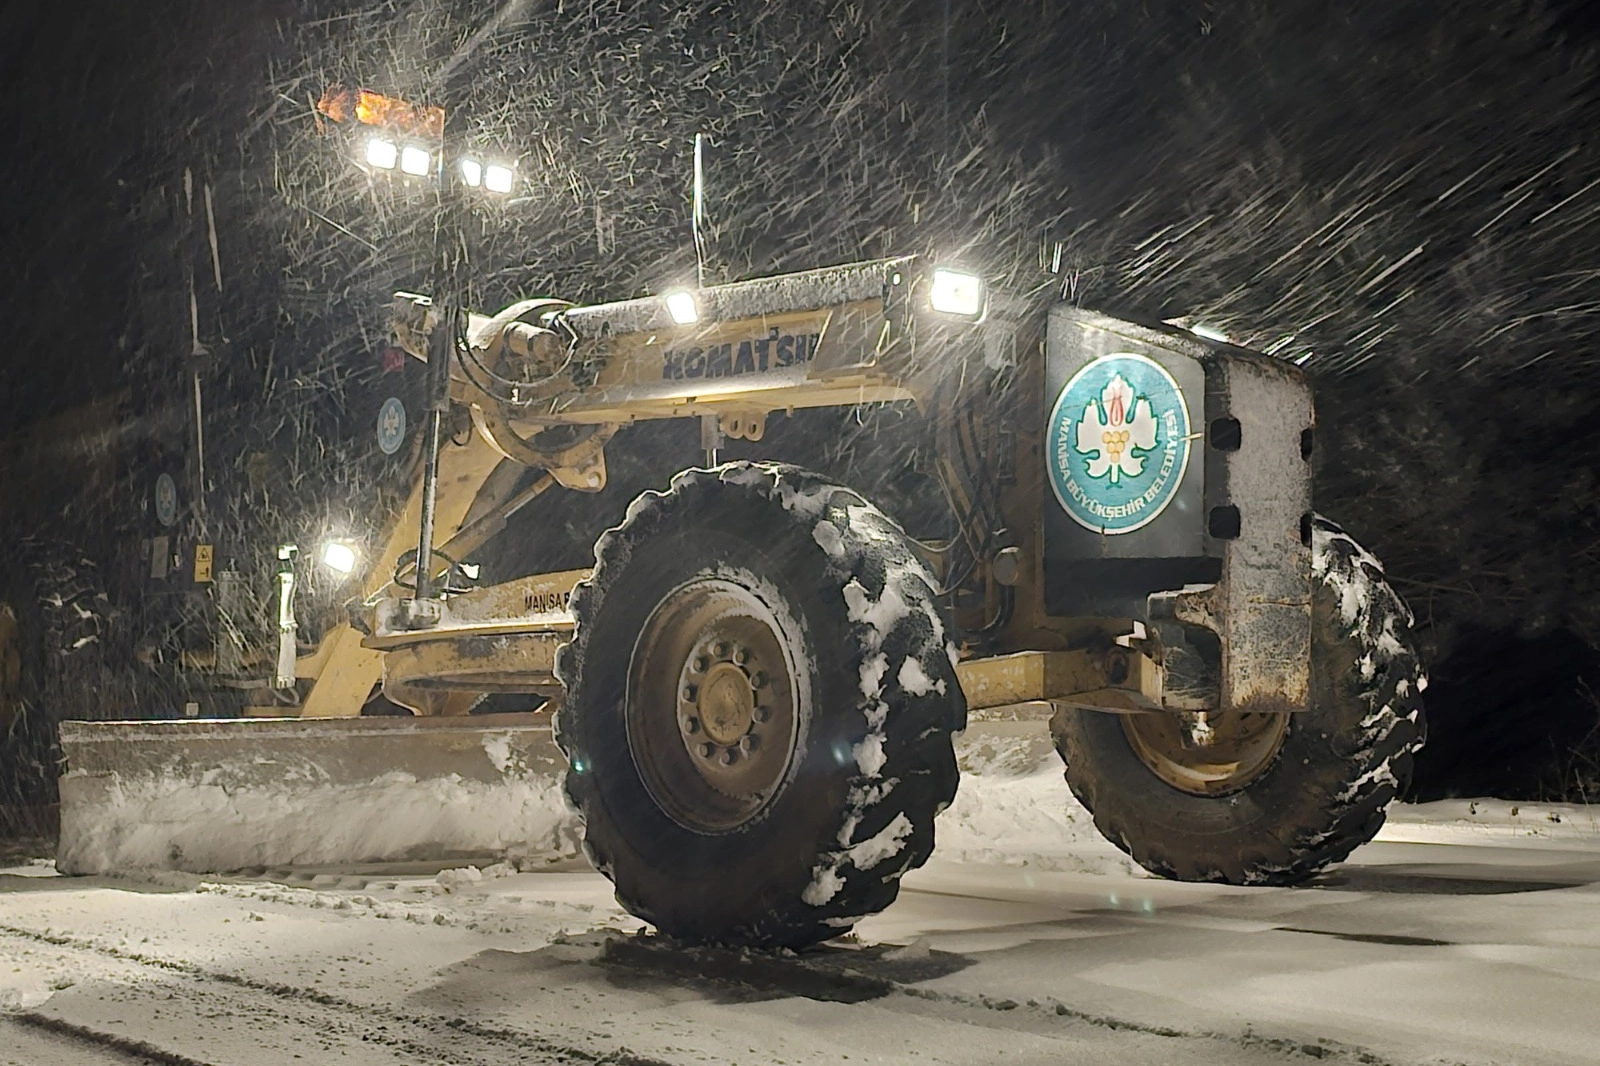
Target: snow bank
[
  {"x": 1014, "y": 807},
  {"x": 1490, "y": 822}
]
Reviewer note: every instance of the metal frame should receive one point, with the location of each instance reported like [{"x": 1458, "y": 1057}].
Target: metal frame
[{"x": 863, "y": 342}]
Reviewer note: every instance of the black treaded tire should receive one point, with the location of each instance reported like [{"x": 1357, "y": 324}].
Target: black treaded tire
[
  {"x": 832, "y": 841},
  {"x": 1325, "y": 792}
]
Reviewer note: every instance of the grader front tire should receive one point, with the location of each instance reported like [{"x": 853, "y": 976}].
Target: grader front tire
[{"x": 760, "y": 697}]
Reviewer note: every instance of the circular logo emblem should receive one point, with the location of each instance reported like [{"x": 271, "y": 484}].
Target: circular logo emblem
[
  {"x": 166, "y": 500},
  {"x": 1117, "y": 444},
  {"x": 391, "y": 425}
]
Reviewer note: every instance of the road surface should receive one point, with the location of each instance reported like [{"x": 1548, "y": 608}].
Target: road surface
[{"x": 1468, "y": 933}]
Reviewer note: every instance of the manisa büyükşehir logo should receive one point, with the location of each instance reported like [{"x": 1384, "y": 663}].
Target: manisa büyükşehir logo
[{"x": 1117, "y": 444}]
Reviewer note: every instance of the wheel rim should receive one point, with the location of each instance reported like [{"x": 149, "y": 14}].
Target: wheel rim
[
  {"x": 711, "y": 713},
  {"x": 1206, "y": 754}
]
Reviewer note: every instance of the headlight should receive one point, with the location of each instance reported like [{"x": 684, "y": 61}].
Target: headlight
[
  {"x": 958, "y": 293},
  {"x": 339, "y": 557},
  {"x": 681, "y": 306},
  {"x": 472, "y": 172},
  {"x": 382, "y": 154},
  {"x": 415, "y": 161},
  {"x": 498, "y": 178}
]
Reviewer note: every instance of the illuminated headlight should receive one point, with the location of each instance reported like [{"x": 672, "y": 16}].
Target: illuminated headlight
[
  {"x": 382, "y": 154},
  {"x": 957, "y": 293},
  {"x": 498, "y": 178},
  {"x": 472, "y": 172},
  {"x": 681, "y": 306},
  {"x": 414, "y": 161},
  {"x": 339, "y": 557}
]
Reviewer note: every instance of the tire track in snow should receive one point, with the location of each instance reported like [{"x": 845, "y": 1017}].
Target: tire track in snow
[
  {"x": 415, "y": 1034},
  {"x": 82, "y": 1038}
]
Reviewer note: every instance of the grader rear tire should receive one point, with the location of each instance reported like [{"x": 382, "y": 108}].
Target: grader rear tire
[
  {"x": 1268, "y": 799},
  {"x": 760, "y": 697}
]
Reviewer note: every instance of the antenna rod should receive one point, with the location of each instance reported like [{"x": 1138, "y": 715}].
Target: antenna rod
[{"x": 697, "y": 217}]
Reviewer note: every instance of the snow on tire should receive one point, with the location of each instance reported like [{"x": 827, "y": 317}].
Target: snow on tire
[
  {"x": 760, "y": 698},
  {"x": 1323, "y": 787}
]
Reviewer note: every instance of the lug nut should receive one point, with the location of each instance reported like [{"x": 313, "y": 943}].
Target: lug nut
[
  {"x": 729, "y": 757},
  {"x": 691, "y": 724},
  {"x": 760, "y": 714},
  {"x": 741, "y": 656},
  {"x": 719, "y": 649},
  {"x": 748, "y": 743},
  {"x": 758, "y": 680},
  {"x": 699, "y": 665},
  {"x": 689, "y": 693},
  {"x": 706, "y": 750}
]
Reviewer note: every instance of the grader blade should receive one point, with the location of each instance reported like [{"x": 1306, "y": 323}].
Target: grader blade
[{"x": 231, "y": 795}]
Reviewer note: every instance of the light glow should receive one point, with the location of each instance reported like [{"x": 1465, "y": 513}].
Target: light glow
[
  {"x": 472, "y": 172},
  {"x": 955, "y": 292},
  {"x": 498, "y": 178},
  {"x": 414, "y": 161},
  {"x": 382, "y": 154},
  {"x": 1209, "y": 334},
  {"x": 681, "y": 306},
  {"x": 339, "y": 557}
]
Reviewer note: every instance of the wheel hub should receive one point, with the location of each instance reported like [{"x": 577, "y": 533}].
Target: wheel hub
[
  {"x": 1207, "y": 754},
  {"x": 721, "y": 716},
  {"x": 724, "y": 704}
]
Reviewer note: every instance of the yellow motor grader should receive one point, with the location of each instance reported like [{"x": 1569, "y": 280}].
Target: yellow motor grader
[{"x": 755, "y": 685}]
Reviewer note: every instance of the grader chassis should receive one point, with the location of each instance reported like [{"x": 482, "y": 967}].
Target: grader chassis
[{"x": 756, "y": 685}]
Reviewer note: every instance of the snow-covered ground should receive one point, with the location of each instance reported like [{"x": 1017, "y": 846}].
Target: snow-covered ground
[{"x": 1469, "y": 933}]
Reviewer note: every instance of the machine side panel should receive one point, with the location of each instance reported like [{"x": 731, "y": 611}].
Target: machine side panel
[{"x": 1153, "y": 532}]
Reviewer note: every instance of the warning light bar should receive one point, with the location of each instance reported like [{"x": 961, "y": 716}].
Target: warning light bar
[{"x": 375, "y": 109}]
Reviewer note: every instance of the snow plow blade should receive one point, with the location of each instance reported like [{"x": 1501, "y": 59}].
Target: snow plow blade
[{"x": 231, "y": 795}]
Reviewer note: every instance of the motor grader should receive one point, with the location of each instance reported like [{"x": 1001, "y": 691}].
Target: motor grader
[{"x": 756, "y": 676}]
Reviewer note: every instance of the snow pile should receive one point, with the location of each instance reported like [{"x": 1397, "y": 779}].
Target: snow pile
[
  {"x": 1492, "y": 822},
  {"x": 464, "y": 876},
  {"x": 118, "y": 824},
  {"x": 1014, "y": 809},
  {"x": 496, "y": 898}
]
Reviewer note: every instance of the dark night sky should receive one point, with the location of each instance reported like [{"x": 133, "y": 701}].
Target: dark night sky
[{"x": 87, "y": 88}]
